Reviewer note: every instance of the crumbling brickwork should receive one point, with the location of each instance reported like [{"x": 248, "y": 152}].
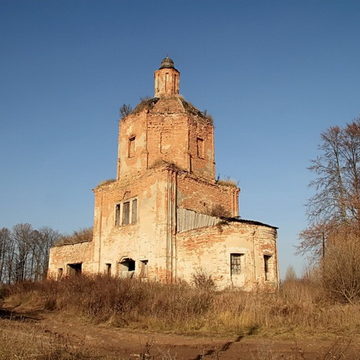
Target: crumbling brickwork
[
  {"x": 210, "y": 248},
  {"x": 165, "y": 217}
]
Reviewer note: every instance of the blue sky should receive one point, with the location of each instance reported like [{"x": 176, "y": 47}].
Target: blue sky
[{"x": 273, "y": 74}]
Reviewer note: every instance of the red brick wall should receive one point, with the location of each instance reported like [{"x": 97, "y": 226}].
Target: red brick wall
[{"x": 206, "y": 197}]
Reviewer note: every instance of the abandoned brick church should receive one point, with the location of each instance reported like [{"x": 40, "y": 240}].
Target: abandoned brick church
[{"x": 165, "y": 217}]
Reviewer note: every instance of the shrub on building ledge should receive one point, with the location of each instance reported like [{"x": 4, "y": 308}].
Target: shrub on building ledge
[{"x": 77, "y": 237}]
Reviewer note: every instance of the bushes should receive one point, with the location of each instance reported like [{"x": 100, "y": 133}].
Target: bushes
[
  {"x": 3, "y": 292},
  {"x": 202, "y": 281},
  {"x": 341, "y": 268},
  {"x": 120, "y": 301},
  {"x": 299, "y": 307}
]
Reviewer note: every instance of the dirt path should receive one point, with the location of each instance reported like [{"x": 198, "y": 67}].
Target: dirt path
[{"x": 121, "y": 344}]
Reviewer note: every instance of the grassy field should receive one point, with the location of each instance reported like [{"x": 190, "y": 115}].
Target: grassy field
[{"x": 300, "y": 309}]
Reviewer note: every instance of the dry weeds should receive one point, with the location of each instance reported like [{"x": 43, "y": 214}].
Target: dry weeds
[
  {"x": 20, "y": 340},
  {"x": 300, "y": 306}
]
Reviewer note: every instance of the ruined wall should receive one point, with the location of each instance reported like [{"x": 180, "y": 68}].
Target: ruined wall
[
  {"x": 206, "y": 197},
  {"x": 201, "y": 147},
  {"x": 61, "y": 256},
  {"x": 166, "y": 130},
  {"x": 132, "y": 153},
  {"x": 210, "y": 248},
  {"x": 167, "y": 134},
  {"x": 144, "y": 240}
]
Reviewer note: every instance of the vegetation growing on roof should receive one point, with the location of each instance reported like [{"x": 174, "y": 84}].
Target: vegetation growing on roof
[
  {"x": 148, "y": 103},
  {"x": 77, "y": 237},
  {"x": 106, "y": 182},
  {"x": 189, "y": 107},
  {"x": 125, "y": 110},
  {"x": 145, "y": 103},
  {"x": 169, "y": 165},
  {"x": 227, "y": 182},
  {"x": 219, "y": 211}
]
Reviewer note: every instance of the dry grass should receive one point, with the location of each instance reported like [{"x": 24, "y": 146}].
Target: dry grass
[
  {"x": 145, "y": 103},
  {"x": 341, "y": 266},
  {"x": 162, "y": 163},
  {"x": 227, "y": 182},
  {"x": 20, "y": 340},
  {"x": 300, "y": 307},
  {"x": 219, "y": 211},
  {"x": 190, "y": 108}
]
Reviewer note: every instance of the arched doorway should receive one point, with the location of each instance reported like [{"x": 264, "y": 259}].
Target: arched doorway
[{"x": 126, "y": 267}]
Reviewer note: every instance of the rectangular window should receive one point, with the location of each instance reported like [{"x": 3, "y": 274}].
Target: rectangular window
[
  {"x": 235, "y": 263},
  {"x": 267, "y": 260},
  {"x": 60, "y": 273},
  {"x": 166, "y": 81},
  {"x": 126, "y": 213},
  {"x": 117, "y": 215},
  {"x": 200, "y": 147},
  {"x": 108, "y": 269},
  {"x": 143, "y": 269},
  {"x": 134, "y": 211},
  {"x": 131, "y": 147}
]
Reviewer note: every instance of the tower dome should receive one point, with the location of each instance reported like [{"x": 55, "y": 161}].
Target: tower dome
[{"x": 167, "y": 63}]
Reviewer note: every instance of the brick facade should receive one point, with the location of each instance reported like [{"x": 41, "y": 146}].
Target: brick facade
[{"x": 165, "y": 217}]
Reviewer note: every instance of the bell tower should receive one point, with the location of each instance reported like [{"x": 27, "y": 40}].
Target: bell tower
[
  {"x": 166, "y": 129},
  {"x": 167, "y": 79}
]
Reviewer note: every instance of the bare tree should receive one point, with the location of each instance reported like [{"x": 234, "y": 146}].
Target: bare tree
[
  {"x": 290, "y": 274},
  {"x": 24, "y": 237},
  {"x": 337, "y": 175},
  {"x": 125, "y": 110},
  {"x": 46, "y": 238},
  {"x": 337, "y": 187},
  {"x": 24, "y": 252},
  {"x": 314, "y": 239},
  {"x": 4, "y": 245}
]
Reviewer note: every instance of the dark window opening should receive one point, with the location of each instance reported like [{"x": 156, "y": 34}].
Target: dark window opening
[
  {"x": 175, "y": 80},
  {"x": 127, "y": 267},
  {"x": 60, "y": 273},
  {"x": 131, "y": 265},
  {"x": 126, "y": 213},
  {"x": 117, "y": 215},
  {"x": 128, "y": 264},
  {"x": 131, "y": 147},
  {"x": 200, "y": 147},
  {"x": 235, "y": 263},
  {"x": 134, "y": 211},
  {"x": 74, "y": 269},
  {"x": 108, "y": 269},
  {"x": 267, "y": 259},
  {"x": 166, "y": 81}
]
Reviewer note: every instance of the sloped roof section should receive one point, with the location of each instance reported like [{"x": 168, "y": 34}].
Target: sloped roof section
[{"x": 190, "y": 220}]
